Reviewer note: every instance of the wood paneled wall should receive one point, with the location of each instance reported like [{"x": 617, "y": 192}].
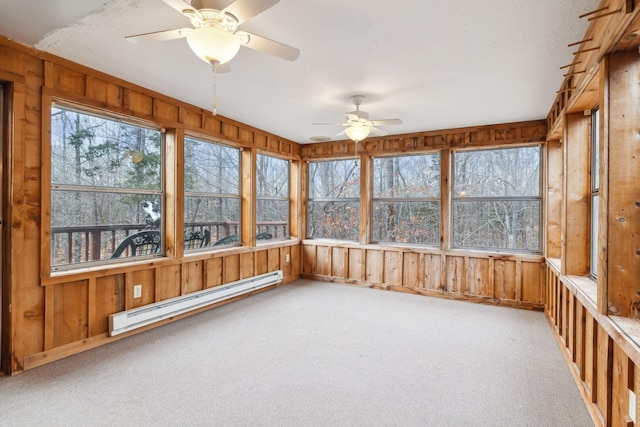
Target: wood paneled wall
[
  {"x": 603, "y": 359},
  {"x": 53, "y": 316},
  {"x": 495, "y": 278},
  {"x": 511, "y": 280}
]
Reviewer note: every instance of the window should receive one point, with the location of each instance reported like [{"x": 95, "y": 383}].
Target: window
[
  {"x": 406, "y": 199},
  {"x": 272, "y": 197},
  {"x": 212, "y": 191},
  {"x": 496, "y": 200},
  {"x": 102, "y": 172},
  {"x": 334, "y": 200},
  {"x": 595, "y": 188}
]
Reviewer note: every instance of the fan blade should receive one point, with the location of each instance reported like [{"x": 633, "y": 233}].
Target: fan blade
[
  {"x": 332, "y": 124},
  {"x": 386, "y": 122},
  {"x": 243, "y": 10},
  {"x": 377, "y": 132},
  {"x": 159, "y": 36},
  {"x": 270, "y": 47},
  {"x": 353, "y": 117},
  {"x": 178, "y": 5}
]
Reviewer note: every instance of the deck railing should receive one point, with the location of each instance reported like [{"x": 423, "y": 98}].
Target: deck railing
[{"x": 77, "y": 244}]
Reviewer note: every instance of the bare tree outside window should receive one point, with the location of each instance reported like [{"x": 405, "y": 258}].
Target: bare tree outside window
[
  {"x": 406, "y": 199},
  {"x": 212, "y": 189},
  {"x": 101, "y": 172},
  {"x": 496, "y": 199},
  {"x": 272, "y": 197},
  {"x": 334, "y": 200}
]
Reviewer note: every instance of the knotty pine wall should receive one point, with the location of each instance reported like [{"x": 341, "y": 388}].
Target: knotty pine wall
[
  {"x": 481, "y": 276},
  {"x": 53, "y": 316}
]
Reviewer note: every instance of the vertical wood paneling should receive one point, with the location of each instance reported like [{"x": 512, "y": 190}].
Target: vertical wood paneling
[
  {"x": 338, "y": 266},
  {"x": 374, "y": 266},
  {"x": 246, "y": 265},
  {"x": 147, "y": 279},
  {"x": 412, "y": 273},
  {"x": 213, "y": 272},
  {"x": 192, "y": 277},
  {"x": 532, "y": 282},
  {"x": 623, "y": 239},
  {"x": 262, "y": 262},
  {"x": 274, "y": 259},
  {"x": 109, "y": 299},
  {"x": 504, "y": 279},
  {"x": 393, "y": 268},
  {"x": 576, "y": 195},
  {"x": 356, "y": 264},
  {"x": 455, "y": 274},
  {"x": 604, "y": 374},
  {"x": 323, "y": 260},
  {"x": 168, "y": 282},
  {"x": 432, "y": 271},
  {"x": 622, "y": 381},
  {"x": 231, "y": 269},
  {"x": 308, "y": 259},
  {"x": 590, "y": 359},
  {"x": 70, "y": 319},
  {"x": 479, "y": 277}
]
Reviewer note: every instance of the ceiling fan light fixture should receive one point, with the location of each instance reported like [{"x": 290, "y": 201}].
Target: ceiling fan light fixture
[
  {"x": 213, "y": 44},
  {"x": 357, "y": 132}
]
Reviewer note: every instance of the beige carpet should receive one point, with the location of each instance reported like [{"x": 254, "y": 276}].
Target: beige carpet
[{"x": 313, "y": 354}]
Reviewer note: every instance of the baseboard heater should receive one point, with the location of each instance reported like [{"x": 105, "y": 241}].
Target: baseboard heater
[{"x": 142, "y": 316}]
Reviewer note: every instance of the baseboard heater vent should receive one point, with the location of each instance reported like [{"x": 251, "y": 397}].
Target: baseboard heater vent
[{"x": 142, "y": 316}]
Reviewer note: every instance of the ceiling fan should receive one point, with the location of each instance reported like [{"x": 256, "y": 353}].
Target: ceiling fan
[
  {"x": 359, "y": 126},
  {"x": 215, "y": 37}
]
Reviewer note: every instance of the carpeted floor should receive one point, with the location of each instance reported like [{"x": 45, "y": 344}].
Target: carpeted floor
[{"x": 313, "y": 354}]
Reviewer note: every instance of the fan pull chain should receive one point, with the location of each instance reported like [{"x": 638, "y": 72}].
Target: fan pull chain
[{"x": 214, "y": 65}]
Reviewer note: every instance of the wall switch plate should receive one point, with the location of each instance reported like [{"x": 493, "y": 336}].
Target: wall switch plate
[
  {"x": 137, "y": 291},
  {"x": 286, "y": 258}
]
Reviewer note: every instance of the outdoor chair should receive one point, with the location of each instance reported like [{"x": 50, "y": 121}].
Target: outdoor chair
[
  {"x": 195, "y": 239},
  {"x": 146, "y": 242},
  {"x": 229, "y": 240}
]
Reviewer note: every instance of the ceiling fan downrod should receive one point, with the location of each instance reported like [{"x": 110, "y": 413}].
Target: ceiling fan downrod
[{"x": 214, "y": 65}]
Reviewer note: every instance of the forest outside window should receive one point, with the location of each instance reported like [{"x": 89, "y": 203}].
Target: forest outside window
[
  {"x": 406, "y": 199},
  {"x": 103, "y": 174},
  {"x": 334, "y": 200},
  {"x": 212, "y": 193},
  {"x": 272, "y": 198},
  {"x": 595, "y": 188},
  {"x": 496, "y": 200}
]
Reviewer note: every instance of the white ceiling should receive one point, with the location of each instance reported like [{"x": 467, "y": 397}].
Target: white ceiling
[{"x": 433, "y": 64}]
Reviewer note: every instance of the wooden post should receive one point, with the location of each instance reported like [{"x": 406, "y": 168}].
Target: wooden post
[
  {"x": 445, "y": 201},
  {"x": 366, "y": 182},
  {"x": 248, "y": 188},
  {"x": 577, "y": 195},
  {"x": 174, "y": 190},
  {"x": 553, "y": 241},
  {"x": 295, "y": 218},
  {"x": 623, "y": 204},
  {"x": 603, "y": 208}
]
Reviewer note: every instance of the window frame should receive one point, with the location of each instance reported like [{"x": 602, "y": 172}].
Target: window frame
[
  {"x": 454, "y": 198},
  {"x": 48, "y": 268},
  {"x": 276, "y": 198},
  {"x": 237, "y": 197},
  {"x": 310, "y": 199},
  {"x": 437, "y": 199}
]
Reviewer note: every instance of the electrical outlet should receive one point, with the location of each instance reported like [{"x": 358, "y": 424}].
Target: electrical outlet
[
  {"x": 137, "y": 291},
  {"x": 286, "y": 258}
]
